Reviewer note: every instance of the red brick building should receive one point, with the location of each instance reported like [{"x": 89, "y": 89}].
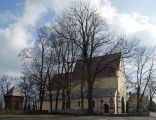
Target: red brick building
[{"x": 13, "y": 100}]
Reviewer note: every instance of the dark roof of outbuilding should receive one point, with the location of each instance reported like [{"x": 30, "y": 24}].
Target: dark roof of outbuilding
[
  {"x": 77, "y": 95},
  {"x": 13, "y": 92}
]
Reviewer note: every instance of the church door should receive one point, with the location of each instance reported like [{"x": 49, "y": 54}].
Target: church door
[
  {"x": 123, "y": 105},
  {"x": 17, "y": 106},
  {"x": 106, "y": 108}
]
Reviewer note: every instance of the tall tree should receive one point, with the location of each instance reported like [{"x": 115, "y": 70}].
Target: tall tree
[
  {"x": 5, "y": 84},
  {"x": 143, "y": 68},
  {"x": 27, "y": 88},
  {"x": 83, "y": 25},
  {"x": 38, "y": 61},
  {"x": 151, "y": 87},
  {"x": 151, "y": 91}
]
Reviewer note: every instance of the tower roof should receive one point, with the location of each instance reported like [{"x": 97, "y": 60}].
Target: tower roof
[{"x": 13, "y": 92}]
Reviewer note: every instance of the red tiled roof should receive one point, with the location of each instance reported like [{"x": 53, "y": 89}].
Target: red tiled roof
[
  {"x": 107, "y": 66},
  {"x": 59, "y": 79}
]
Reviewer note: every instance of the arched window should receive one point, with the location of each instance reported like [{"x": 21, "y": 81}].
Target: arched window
[{"x": 101, "y": 102}]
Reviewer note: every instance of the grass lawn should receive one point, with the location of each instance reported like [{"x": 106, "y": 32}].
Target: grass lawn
[
  {"x": 29, "y": 116},
  {"x": 64, "y": 117}
]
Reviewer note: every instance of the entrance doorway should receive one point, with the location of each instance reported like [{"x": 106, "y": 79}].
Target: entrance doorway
[
  {"x": 123, "y": 105},
  {"x": 106, "y": 108}
]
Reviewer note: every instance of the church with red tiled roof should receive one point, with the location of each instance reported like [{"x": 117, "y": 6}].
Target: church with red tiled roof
[{"x": 109, "y": 90}]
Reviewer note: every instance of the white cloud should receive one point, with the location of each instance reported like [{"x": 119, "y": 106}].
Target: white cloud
[
  {"x": 132, "y": 24},
  {"x": 18, "y": 34}
]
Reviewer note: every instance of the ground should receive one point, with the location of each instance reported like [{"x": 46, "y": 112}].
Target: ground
[{"x": 61, "y": 117}]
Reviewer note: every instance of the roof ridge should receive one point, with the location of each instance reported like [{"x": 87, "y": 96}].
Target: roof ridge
[{"x": 13, "y": 92}]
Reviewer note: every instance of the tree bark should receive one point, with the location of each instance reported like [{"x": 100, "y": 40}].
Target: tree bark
[
  {"x": 150, "y": 104},
  {"x": 51, "y": 102},
  {"x": 82, "y": 96},
  {"x": 63, "y": 100},
  {"x": 41, "y": 102},
  {"x": 57, "y": 95},
  {"x": 138, "y": 99},
  {"x": 90, "y": 99}
]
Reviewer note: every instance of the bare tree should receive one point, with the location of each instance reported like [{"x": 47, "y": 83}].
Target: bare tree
[
  {"x": 57, "y": 45},
  {"x": 6, "y": 83},
  {"x": 152, "y": 91},
  {"x": 37, "y": 58},
  {"x": 143, "y": 70},
  {"x": 26, "y": 86},
  {"x": 85, "y": 27},
  {"x": 80, "y": 31},
  {"x": 151, "y": 87},
  {"x": 65, "y": 56}
]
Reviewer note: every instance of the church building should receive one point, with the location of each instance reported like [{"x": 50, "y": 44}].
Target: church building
[{"x": 109, "y": 90}]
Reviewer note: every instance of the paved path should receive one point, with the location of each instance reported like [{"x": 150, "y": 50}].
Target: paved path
[
  {"x": 56, "y": 117},
  {"x": 153, "y": 114}
]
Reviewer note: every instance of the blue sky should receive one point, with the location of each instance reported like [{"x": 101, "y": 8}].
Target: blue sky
[
  {"x": 146, "y": 7},
  {"x": 10, "y": 9},
  {"x": 15, "y": 8},
  {"x": 20, "y": 18},
  {"x": 12, "y": 5}
]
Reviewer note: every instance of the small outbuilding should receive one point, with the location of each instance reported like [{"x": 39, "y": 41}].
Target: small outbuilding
[{"x": 13, "y": 100}]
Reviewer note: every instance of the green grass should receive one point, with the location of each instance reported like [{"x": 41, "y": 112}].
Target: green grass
[
  {"x": 8, "y": 116},
  {"x": 29, "y": 116}
]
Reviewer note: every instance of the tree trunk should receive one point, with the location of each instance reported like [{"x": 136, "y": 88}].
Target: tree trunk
[
  {"x": 90, "y": 99},
  {"x": 68, "y": 97},
  {"x": 68, "y": 90},
  {"x": 82, "y": 95},
  {"x": 57, "y": 95},
  {"x": 150, "y": 104},
  {"x": 138, "y": 99},
  {"x": 51, "y": 102},
  {"x": 63, "y": 100},
  {"x": 41, "y": 103},
  {"x": 25, "y": 103}
]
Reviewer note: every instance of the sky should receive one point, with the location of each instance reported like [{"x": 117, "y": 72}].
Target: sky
[{"x": 19, "y": 19}]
